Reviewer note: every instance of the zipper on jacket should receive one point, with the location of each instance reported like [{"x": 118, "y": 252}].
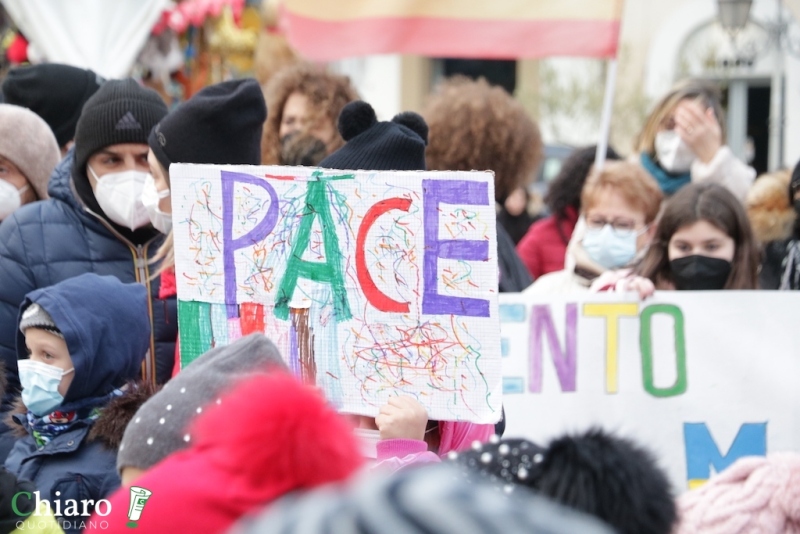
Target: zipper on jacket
[
  {"x": 144, "y": 278},
  {"x": 139, "y": 253},
  {"x": 141, "y": 261}
]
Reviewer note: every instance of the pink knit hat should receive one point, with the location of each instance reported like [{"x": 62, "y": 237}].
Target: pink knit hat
[
  {"x": 28, "y": 142},
  {"x": 754, "y": 495}
]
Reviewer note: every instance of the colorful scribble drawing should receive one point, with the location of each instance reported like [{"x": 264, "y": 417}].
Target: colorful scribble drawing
[
  {"x": 372, "y": 284},
  {"x": 203, "y": 226}
]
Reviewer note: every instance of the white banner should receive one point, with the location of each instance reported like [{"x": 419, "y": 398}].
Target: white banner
[{"x": 700, "y": 378}]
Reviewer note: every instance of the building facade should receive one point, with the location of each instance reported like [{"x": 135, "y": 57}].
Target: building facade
[{"x": 662, "y": 41}]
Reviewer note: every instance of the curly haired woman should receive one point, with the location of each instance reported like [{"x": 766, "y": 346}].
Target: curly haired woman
[
  {"x": 769, "y": 208},
  {"x": 474, "y": 126},
  {"x": 303, "y": 100}
]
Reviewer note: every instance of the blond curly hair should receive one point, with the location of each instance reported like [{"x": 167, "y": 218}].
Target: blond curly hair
[
  {"x": 768, "y": 208},
  {"x": 327, "y": 94},
  {"x": 476, "y": 126}
]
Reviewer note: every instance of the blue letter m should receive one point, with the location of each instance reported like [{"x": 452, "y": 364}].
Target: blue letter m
[{"x": 702, "y": 452}]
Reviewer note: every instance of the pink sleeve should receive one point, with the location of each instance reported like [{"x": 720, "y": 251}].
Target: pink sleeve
[
  {"x": 176, "y": 368},
  {"x": 395, "y": 454}
]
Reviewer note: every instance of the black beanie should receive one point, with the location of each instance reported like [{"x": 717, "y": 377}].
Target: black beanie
[
  {"x": 509, "y": 463},
  {"x": 55, "y": 92},
  {"x": 398, "y": 145},
  {"x": 220, "y": 124},
  {"x": 121, "y": 111}
]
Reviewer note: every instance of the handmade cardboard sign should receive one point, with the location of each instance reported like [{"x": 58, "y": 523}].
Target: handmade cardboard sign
[
  {"x": 372, "y": 284},
  {"x": 700, "y": 378}
]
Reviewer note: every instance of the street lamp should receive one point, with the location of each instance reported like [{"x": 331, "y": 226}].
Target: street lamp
[{"x": 733, "y": 14}]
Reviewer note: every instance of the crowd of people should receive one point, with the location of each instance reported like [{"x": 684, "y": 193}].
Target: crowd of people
[
  {"x": 682, "y": 213},
  {"x": 94, "y": 396}
]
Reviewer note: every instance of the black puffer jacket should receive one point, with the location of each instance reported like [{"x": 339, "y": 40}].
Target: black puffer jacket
[{"x": 47, "y": 242}]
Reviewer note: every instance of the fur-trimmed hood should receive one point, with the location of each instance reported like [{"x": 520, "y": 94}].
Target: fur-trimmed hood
[
  {"x": 110, "y": 426},
  {"x": 768, "y": 208}
]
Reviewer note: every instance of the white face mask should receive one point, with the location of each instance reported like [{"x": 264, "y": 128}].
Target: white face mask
[
  {"x": 150, "y": 199},
  {"x": 10, "y": 198},
  {"x": 672, "y": 153},
  {"x": 120, "y": 196}
]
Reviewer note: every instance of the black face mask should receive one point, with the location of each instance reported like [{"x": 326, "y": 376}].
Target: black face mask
[
  {"x": 700, "y": 272},
  {"x": 302, "y": 149}
]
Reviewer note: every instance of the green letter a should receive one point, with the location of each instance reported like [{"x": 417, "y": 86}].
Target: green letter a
[{"x": 330, "y": 271}]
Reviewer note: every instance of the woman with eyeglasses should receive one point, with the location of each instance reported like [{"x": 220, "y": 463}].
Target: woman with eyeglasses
[
  {"x": 619, "y": 205},
  {"x": 703, "y": 242}
]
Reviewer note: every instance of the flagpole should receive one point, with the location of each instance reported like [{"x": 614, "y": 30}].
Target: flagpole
[{"x": 605, "y": 120}]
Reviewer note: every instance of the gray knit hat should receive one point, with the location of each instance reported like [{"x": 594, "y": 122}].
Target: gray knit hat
[
  {"x": 34, "y": 316},
  {"x": 432, "y": 499},
  {"x": 161, "y": 425},
  {"x": 27, "y": 142}
]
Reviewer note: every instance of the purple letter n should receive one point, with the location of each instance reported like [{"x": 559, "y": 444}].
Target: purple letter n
[{"x": 564, "y": 361}]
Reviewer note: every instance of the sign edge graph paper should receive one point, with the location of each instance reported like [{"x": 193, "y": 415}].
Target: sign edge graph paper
[{"x": 370, "y": 283}]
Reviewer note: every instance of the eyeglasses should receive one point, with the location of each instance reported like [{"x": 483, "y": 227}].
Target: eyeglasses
[{"x": 618, "y": 226}]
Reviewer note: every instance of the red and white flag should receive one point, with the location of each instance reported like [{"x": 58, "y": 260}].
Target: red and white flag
[{"x": 325, "y": 30}]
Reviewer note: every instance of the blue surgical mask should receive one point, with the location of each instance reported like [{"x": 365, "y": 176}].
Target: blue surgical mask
[
  {"x": 40, "y": 386},
  {"x": 610, "y": 248}
]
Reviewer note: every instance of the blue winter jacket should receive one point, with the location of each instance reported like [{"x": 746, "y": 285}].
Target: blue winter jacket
[
  {"x": 107, "y": 331},
  {"x": 47, "y": 242}
]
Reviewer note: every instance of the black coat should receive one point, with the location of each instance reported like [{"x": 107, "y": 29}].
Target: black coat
[
  {"x": 514, "y": 276},
  {"x": 773, "y": 264},
  {"x": 69, "y": 467}
]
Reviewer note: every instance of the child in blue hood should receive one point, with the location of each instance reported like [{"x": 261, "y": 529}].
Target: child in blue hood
[{"x": 79, "y": 343}]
